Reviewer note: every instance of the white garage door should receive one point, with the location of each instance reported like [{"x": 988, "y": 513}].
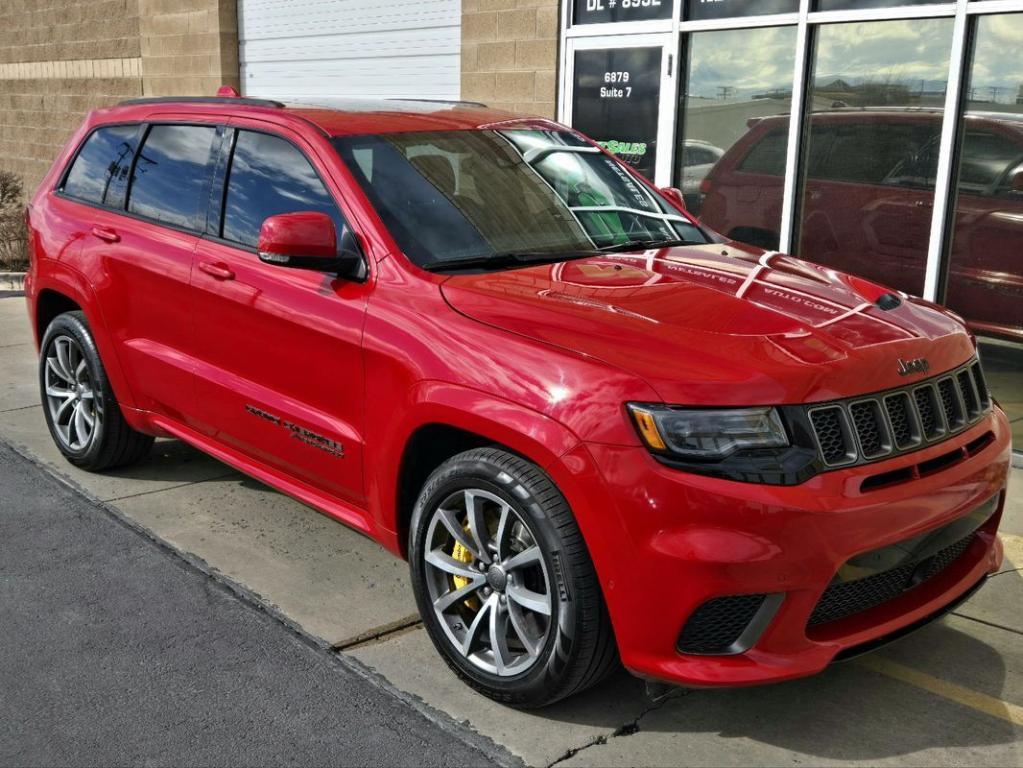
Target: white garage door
[{"x": 357, "y": 48}]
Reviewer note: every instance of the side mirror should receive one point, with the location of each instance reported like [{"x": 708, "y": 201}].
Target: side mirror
[
  {"x": 308, "y": 240},
  {"x": 675, "y": 195}
]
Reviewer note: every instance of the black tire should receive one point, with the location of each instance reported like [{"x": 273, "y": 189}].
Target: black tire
[
  {"x": 579, "y": 649},
  {"x": 112, "y": 442}
]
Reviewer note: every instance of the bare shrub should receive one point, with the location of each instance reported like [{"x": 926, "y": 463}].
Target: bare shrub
[{"x": 13, "y": 236}]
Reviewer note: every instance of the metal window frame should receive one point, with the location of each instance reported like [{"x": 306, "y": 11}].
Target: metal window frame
[{"x": 672, "y": 31}]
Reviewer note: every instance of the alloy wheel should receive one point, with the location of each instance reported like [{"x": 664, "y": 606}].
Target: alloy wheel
[
  {"x": 75, "y": 405},
  {"x": 488, "y": 582}
]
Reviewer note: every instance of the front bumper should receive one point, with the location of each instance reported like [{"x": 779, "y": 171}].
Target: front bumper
[{"x": 665, "y": 542}]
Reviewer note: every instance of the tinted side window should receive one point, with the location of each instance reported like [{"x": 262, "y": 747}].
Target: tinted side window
[
  {"x": 99, "y": 174},
  {"x": 171, "y": 174},
  {"x": 768, "y": 155},
  {"x": 874, "y": 153},
  {"x": 985, "y": 159},
  {"x": 269, "y": 175}
]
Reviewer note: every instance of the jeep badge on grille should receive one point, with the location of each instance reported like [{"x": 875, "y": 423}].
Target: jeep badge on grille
[{"x": 916, "y": 365}]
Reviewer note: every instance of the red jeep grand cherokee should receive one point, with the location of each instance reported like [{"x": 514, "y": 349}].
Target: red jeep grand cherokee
[{"x": 593, "y": 428}]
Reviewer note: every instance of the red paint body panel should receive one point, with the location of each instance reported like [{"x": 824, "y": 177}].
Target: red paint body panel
[{"x": 316, "y": 385}]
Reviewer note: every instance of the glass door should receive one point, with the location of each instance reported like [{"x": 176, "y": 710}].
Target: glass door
[
  {"x": 620, "y": 91},
  {"x": 984, "y": 282}
]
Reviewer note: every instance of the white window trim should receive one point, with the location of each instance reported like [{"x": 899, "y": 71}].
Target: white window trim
[{"x": 670, "y": 31}]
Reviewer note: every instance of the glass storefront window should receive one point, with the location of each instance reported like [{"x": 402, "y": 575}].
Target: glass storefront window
[
  {"x": 694, "y": 10},
  {"x": 875, "y": 100},
  {"x": 850, "y": 5},
  {"x": 735, "y": 116},
  {"x": 984, "y": 283}
]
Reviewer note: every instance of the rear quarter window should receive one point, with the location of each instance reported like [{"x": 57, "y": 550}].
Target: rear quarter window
[
  {"x": 172, "y": 174},
  {"x": 767, "y": 156},
  {"x": 99, "y": 172}
]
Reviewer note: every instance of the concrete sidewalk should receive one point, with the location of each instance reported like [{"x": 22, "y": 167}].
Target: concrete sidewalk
[{"x": 950, "y": 695}]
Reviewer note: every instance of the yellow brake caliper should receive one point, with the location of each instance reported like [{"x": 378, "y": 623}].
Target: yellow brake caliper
[{"x": 463, "y": 555}]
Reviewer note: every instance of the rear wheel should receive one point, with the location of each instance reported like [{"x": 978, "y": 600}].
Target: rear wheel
[
  {"x": 504, "y": 582},
  {"x": 81, "y": 411}
]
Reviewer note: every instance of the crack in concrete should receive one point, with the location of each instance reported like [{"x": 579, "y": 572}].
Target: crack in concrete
[
  {"x": 628, "y": 729},
  {"x": 988, "y": 623},
  {"x": 378, "y": 634},
  {"x": 172, "y": 487},
  {"x": 21, "y": 408}
]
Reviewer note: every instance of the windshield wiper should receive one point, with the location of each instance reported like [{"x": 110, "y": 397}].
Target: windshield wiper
[
  {"x": 644, "y": 244},
  {"x": 506, "y": 259}
]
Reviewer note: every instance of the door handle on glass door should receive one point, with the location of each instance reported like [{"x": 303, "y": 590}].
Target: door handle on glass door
[
  {"x": 107, "y": 234},
  {"x": 217, "y": 270}
]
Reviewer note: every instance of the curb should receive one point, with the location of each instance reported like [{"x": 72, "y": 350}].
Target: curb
[{"x": 12, "y": 281}]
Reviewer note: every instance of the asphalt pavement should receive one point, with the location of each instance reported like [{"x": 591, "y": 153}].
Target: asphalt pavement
[{"x": 113, "y": 650}]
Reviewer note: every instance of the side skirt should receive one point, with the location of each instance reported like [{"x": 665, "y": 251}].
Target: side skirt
[{"x": 351, "y": 516}]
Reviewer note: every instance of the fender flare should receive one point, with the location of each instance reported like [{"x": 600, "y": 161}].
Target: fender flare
[
  {"x": 68, "y": 281},
  {"x": 531, "y": 434}
]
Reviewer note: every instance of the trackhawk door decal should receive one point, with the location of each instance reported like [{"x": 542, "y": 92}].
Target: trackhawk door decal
[{"x": 333, "y": 447}]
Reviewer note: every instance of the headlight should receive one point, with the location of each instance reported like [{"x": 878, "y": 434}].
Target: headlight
[{"x": 707, "y": 433}]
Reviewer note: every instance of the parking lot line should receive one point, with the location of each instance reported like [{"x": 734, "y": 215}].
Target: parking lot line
[{"x": 975, "y": 700}]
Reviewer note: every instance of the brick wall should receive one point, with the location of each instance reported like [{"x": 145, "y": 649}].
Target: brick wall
[
  {"x": 188, "y": 46},
  {"x": 58, "y": 60},
  {"x": 61, "y": 58},
  {"x": 509, "y": 54}
]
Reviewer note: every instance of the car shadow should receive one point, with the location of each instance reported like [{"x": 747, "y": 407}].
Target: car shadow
[
  {"x": 172, "y": 461},
  {"x": 848, "y": 712}
]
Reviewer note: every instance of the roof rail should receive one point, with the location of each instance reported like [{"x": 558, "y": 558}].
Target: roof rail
[
  {"x": 203, "y": 100},
  {"x": 439, "y": 101}
]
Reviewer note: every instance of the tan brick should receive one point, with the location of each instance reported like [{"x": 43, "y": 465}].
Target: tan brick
[
  {"x": 470, "y": 6},
  {"x": 515, "y": 86},
  {"x": 496, "y": 56},
  {"x": 547, "y": 22},
  {"x": 470, "y": 58},
  {"x": 536, "y": 54},
  {"x": 525, "y": 108},
  {"x": 499, "y": 5},
  {"x": 479, "y": 86},
  {"x": 479, "y": 27},
  {"x": 516, "y": 25},
  {"x": 545, "y": 86},
  {"x": 506, "y": 106}
]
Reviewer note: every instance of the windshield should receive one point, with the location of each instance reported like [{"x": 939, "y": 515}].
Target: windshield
[{"x": 474, "y": 195}]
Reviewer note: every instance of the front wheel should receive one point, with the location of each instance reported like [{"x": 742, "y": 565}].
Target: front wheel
[{"x": 504, "y": 582}]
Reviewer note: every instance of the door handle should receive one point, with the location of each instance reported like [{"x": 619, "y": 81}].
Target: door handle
[
  {"x": 218, "y": 270},
  {"x": 107, "y": 234}
]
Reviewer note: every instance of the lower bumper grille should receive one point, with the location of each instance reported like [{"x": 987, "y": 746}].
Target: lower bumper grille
[
  {"x": 849, "y": 597},
  {"x": 873, "y": 578},
  {"x": 717, "y": 625}
]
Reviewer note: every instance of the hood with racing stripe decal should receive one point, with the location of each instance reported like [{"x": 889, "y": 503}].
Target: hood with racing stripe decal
[{"x": 719, "y": 324}]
